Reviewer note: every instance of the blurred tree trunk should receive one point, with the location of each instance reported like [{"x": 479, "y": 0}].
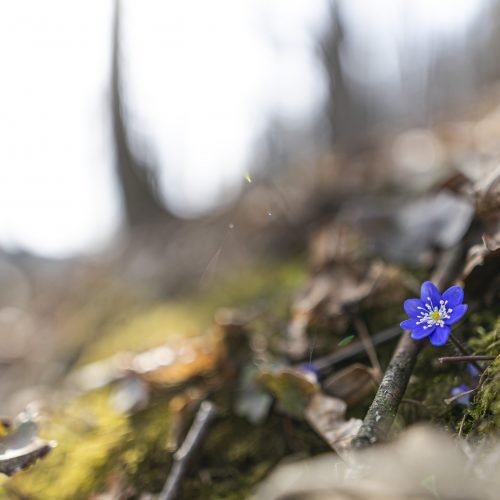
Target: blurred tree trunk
[
  {"x": 349, "y": 110},
  {"x": 339, "y": 100},
  {"x": 136, "y": 177}
]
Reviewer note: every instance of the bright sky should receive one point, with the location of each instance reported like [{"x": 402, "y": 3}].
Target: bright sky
[{"x": 203, "y": 78}]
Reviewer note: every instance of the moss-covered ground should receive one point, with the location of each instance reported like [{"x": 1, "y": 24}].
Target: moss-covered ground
[{"x": 96, "y": 443}]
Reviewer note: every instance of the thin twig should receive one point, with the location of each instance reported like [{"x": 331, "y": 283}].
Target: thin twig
[
  {"x": 464, "y": 351},
  {"x": 460, "y": 430},
  {"x": 367, "y": 342},
  {"x": 380, "y": 416},
  {"x": 354, "y": 349},
  {"x": 459, "y": 395},
  {"x": 416, "y": 402},
  {"x": 460, "y": 359},
  {"x": 204, "y": 417}
]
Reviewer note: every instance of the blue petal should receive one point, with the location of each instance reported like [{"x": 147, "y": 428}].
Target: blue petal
[
  {"x": 440, "y": 335},
  {"x": 411, "y": 307},
  {"x": 472, "y": 370},
  {"x": 409, "y": 324},
  {"x": 429, "y": 290},
  {"x": 465, "y": 399},
  {"x": 420, "y": 333},
  {"x": 454, "y": 295},
  {"x": 456, "y": 314}
]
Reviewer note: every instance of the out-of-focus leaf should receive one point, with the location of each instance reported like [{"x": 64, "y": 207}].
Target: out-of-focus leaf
[
  {"x": 292, "y": 388},
  {"x": 163, "y": 365},
  {"x": 487, "y": 194},
  {"x": 196, "y": 356},
  {"x": 409, "y": 468},
  {"x": 327, "y": 417},
  {"x": 331, "y": 293},
  {"x": 346, "y": 340},
  {"x": 352, "y": 384},
  {"x": 22, "y": 448},
  {"x": 252, "y": 402},
  {"x": 482, "y": 267}
]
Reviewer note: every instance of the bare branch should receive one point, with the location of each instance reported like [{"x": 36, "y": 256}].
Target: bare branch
[{"x": 182, "y": 457}]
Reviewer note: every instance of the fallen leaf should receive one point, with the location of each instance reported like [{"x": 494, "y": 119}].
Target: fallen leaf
[
  {"x": 482, "y": 266},
  {"x": 165, "y": 365},
  {"x": 351, "y": 384},
  {"x": 333, "y": 292},
  {"x": 326, "y": 415},
  {"x": 292, "y": 388},
  {"x": 22, "y": 448},
  {"x": 486, "y": 193}
]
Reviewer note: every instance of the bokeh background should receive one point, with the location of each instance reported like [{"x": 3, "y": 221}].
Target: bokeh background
[
  {"x": 197, "y": 198},
  {"x": 211, "y": 93}
]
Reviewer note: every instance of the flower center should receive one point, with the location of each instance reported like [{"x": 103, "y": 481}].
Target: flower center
[
  {"x": 435, "y": 315},
  {"x": 431, "y": 315}
]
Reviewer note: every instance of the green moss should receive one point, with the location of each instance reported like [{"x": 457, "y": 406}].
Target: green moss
[
  {"x": 237, "y": 455},
  {"x": 193, "y": 314},
  {"x": 96, "y": 442},
  {"x": 146, "y": 459},
  {"x": 89, "y": 434},
  {"x": 432, "y": 382},
  {"x": 483, "y": 416},
  {"x": 146, "y": 329}
]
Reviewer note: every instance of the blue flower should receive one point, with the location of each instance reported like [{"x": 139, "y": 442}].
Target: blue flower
[
  {"x": 462, "y": 400},
  {"x": 310, "y": 371},
  {"x": 432, "y": 314}
]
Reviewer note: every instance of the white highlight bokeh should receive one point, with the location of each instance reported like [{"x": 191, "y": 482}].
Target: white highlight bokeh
[{"x": 202, "y": 79}]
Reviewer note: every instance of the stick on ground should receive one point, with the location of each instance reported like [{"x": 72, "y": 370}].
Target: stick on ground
[
  {"x": 380, "y": 416},
  {"x": 203, "y": 419},
  {"x": 462, "y": 359}
]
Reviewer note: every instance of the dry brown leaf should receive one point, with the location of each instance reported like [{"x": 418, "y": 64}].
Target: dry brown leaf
[
  {"x": 486, "y": 193},
  {"x": 333, "y": 292},
  {"x": 327, "y": 417},
  {"x": 351, "y": 384},
  {"x": 164, "y": 365},
  {"x": 482, "y": 266}
]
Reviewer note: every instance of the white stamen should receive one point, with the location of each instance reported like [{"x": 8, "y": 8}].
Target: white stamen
[{"x": 428, "y": 317}]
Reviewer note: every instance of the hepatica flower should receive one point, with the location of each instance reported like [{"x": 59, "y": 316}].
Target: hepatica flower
[{"x": 432, "y": 314}]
